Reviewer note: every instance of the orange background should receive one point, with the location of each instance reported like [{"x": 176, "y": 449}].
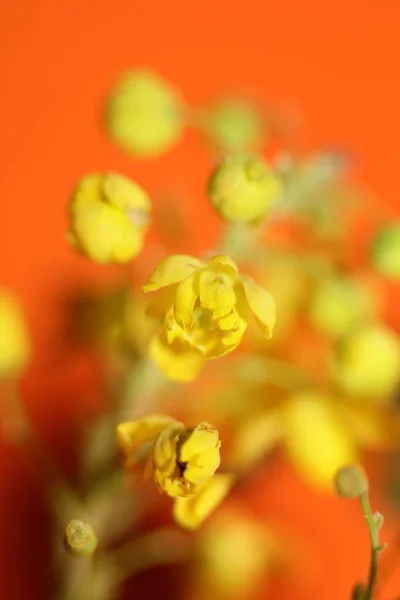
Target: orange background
[{"x": 337, "y": 61}]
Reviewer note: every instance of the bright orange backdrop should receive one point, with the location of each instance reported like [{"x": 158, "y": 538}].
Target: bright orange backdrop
[{"x": 337, "y": 61}]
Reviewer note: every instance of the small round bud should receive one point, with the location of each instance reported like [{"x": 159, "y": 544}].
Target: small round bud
[
  {"x": 235, "y": 125},
  {"x": 243, "y": 189},
  {"x": 351, "y": 481},
  {"x": 340, "y": 304},
  {"x": 386, "y": 251},
  {"x": 367, "y": 363},
  {"x": 80, "y": 539},
  {"x": 145, "y": 113}
]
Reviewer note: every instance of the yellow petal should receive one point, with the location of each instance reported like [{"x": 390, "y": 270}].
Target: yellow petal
[
  {"x": 165, "y": 454},
  {"x": 161, "y": 302},
  {"x": 203, "y": 437},
  {"x": 317, "y": 441},
  {"x": 191, "y": 512},
  {"x": 229, "y": 322},
  {"x": 203, "y": 466},
  {"x": 223, "y": 260},
  {"x": 185, "y": 299},
  {"x": 178, "y": 361},
  {"x": 172, "y": 270},
  {"x": 132, "y": 435},
  {"x": 216, "y": 292},
  {"x": 262, "y": 304}
]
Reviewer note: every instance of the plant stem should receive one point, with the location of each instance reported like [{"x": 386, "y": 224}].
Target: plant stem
[{"x": 375, "y": 546}]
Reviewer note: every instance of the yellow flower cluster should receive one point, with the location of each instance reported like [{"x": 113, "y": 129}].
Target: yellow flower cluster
[
  {"x": 109, "y": 216},
  {"x": 206, "y": 307},
  {"x": 183, "y": 462}
]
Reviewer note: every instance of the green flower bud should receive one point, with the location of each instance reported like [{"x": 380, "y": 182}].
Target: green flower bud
[
  {"x": 351, "y": 481},
  {"x": 80, "y": 539},
  {"x": 235, "y": 125},
  {"x": 145, "y": 114},
  {"x": 386, "y": 251},
  {"x": 244, "y": 189},
  {"x": 367, "y": 363},
  {"x": 341, "y": 304}
]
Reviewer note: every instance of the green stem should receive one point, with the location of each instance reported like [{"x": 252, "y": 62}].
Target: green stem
[{"x": 375, "y": 546}]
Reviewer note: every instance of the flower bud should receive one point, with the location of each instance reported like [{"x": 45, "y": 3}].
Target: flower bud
[
  {"x": 80, "y": 539},
  {"x": 109, "y": 216},
  {"x": 243, "y": 189},
  {"x": 386, "y": 251},
  {"x": 235, "y": 125},
  {"x": 14, "y": 341},
  {"x": 367, "y": 363},
  {"x": 144, "y": 114},
  {"x": 340, "y": 304},
  {"x": 351, "y": 481}
]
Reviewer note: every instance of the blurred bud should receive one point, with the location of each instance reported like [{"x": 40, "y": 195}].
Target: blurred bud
[
  {"x": 80, "y": 539},
  {"x": 341, "y": 304},
  {"x": 351, "y": 481},
  {"x": 109, "y": 216},
  {"x": 386, "y": 251},
  {"x": 14, "y": 341},
  {"x": 367, "y": 363},
  {"x": 145, "y": 113},
  {"x": 235, "y": 125},
  {"x": 244, "y": 189},
  {"x": 233, "y": 554}
]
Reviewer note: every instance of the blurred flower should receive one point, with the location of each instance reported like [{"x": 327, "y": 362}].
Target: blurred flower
[
  {"x": 340, "y": 304},
  {"x": 14, "y": 341},
  {"x": 367, "y": 363},
  {"x": 244, "y": 189},
  {"x": 386, "y": 251},
  {"x": 235, "y": 125},
  {"x": 183, "y": 462},
  {"x": 145, "y": 113},
  {"x": 109, "y": 215},
  {"x": 232, "y": 555},
  {"x": 206, "y": 308},
  {"x": 318, "y": 432}
]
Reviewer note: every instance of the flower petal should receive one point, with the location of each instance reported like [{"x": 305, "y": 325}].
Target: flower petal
[
  {"x": 133, "y": 435},
  {"x": 173, "y": 270},
  {"x": 191, "y": 512},
  {"x": 225, "y": 261},
  {"x": 185, "y": 299},
  {"x": 262, "y": 305},
  {"x": 216, "y": 292},
  {"x": 179, "y": 361}
]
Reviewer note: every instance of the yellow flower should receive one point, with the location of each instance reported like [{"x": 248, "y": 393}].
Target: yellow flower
[
  {"x": 244, "y": 189},
  {"x": 367, "y": 363},
  {"x": 109, "y": 216},
  {"x": 183, "y": 462},
  {"x": 145, "y": 113},
  {"x": 14, "y": 341},
  {"x": 233, "y": 553},
  {"x": 341, "y": 304},
  {"x": 318, "y": 433},
  {"x": 206, "y": 309}
]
